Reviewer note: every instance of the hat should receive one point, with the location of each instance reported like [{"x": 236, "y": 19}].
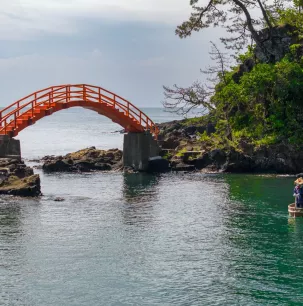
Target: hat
[{"x": 299, "y": 181}]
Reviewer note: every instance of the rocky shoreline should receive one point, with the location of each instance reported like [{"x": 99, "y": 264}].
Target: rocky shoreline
[{"x": 183, "y": 148}]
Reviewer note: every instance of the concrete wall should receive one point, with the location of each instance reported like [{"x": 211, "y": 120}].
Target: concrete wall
[
  {"x": 9, "y": 147},
  {"x": 137, "y": 149}
]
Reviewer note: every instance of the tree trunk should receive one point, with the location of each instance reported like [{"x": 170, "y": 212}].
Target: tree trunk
[
  {"x": 251, "y": 28},
  {"x": 265, "y": 14}
]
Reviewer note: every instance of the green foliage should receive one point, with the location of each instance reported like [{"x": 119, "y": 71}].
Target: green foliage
[
  {"x": 204, "y": 137},
  {"x": 267, "y": 140},
  {"x": 266, "y": 105},
  {"x": 196, "y": 120},
  {"x": 293, "y": 16},
  {"x": 181, "y": 152},
  {"x": 167, "y": 155},
  {"x": 247, "y": 55}
]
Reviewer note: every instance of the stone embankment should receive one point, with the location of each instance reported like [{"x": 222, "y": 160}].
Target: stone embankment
[
  {"x": 184, "y": 149},
  {"x": 17, "y": 179}
]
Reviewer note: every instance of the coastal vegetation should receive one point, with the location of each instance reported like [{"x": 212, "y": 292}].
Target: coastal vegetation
[{"x": 254, "y": 91}]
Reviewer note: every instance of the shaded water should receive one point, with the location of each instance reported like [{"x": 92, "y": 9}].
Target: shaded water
[{"x": 137, "y": 239}]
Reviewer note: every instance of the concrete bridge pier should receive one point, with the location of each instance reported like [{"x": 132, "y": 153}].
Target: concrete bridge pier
[
  {"x": 137, "y": 149},
  {"x": 9, "y": 147}
]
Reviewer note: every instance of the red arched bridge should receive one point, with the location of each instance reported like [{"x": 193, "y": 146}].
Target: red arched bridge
[
  {"x": 139, "y": 143},
  {"x": 26, "y": 111}
]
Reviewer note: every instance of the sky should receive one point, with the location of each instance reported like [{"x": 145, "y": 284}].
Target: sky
[{"x": 126, "y": 46}]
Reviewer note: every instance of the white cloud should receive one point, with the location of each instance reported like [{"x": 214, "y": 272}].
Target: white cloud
[
  {"x": 20, "y": 19},
  {"x": 133, "y": 60}
]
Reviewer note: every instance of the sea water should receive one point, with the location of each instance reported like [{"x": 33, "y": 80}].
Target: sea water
[{"x": 138, "y": 239}]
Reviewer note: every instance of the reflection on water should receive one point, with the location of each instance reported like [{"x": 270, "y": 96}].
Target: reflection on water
[
  {"x": 138, "y": 239},
  {"x": 139, "y": 187},
  {"x": 10, "y": 214},
  {"x": 139, "y": 192}
]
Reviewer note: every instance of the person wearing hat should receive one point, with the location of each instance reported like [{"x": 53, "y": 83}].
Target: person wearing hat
[{"x": 298, "y": 192}]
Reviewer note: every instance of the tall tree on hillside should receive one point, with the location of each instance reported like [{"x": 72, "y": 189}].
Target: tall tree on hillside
[{"x": 241, "y": 18}]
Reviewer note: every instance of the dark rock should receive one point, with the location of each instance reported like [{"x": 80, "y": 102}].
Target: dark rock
[
  {"x": 48, "y": 157},
  {"x": 190, "y": 157},
  {"x": 59, "y": 199},
  {"x": 190, "y": 130},
  {"x": 276, "y": 42},
  {"x": 246, "y": 147},
  {"x": 7, "y": 161},
  {"x": 202, "y": 128},
  {"x": 210, "y": 128},
  {"x": 109, "y": 155},
  {"x": 172, "y": 126},
  {"x": 102, "y": 167},
  {"x": 279, "y": 158},
  {"x": 85, "y": 160},
  {"x": 84, "y": 165},
  {"x": 218, "y": 157},
  {"x": 26, "y": 187},
  {"x": 18, "y": 179},
  {"x": 57, "y": 165},
  {"x": 171, "y": 143},
  {"x": 202, "y": 162},
  {"x": 183, "y": 167},
  {"x": 299, "y": 52},
  {"x": 237, "y": 163},
  {"x": 158, "y": 165},
  {"x": 247, "y": 66},
  {"x": 117, "y": 166},
  {"x": 22, "y": 171}
]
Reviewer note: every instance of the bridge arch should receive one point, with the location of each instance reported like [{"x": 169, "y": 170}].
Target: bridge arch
[{"x": 26, "y": 111}]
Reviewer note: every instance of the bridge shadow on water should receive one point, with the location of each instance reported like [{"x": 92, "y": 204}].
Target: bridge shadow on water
[{"x": 139, "y": 194}]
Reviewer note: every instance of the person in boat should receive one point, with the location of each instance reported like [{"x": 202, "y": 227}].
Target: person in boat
[{"x": 298, "y": 192}]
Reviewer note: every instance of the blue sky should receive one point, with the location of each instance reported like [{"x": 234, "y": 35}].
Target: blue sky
[{"x": 127, "y": 46}]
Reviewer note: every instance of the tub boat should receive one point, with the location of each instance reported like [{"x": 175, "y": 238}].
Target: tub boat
[{"x": 295, "y": 212}]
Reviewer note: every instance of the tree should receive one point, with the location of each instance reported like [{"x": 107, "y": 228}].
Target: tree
[
  {"x": 236, "y": 17},
  {"x": 240, "y": 18},
  {"x": 293, "y": 16},
  {"x": 181, "y": 100}
]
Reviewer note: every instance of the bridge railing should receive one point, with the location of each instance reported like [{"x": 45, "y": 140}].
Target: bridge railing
[{"x": 68, "y": 93}]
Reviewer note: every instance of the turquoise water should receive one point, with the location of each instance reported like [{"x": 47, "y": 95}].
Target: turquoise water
[{"x": 137, "y": 239}]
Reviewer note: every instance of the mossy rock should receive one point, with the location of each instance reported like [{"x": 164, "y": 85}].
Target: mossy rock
[{"x": 27, "y": 187}]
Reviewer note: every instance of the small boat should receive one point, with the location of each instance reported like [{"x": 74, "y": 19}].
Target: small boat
[{"x": 295, "y": 212}]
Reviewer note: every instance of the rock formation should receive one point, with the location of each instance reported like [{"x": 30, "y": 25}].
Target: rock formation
[
  {"x": 194, "y": 154},
  {"x": 86, "y": 160},
  {"x": 18, "y": 179}
]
